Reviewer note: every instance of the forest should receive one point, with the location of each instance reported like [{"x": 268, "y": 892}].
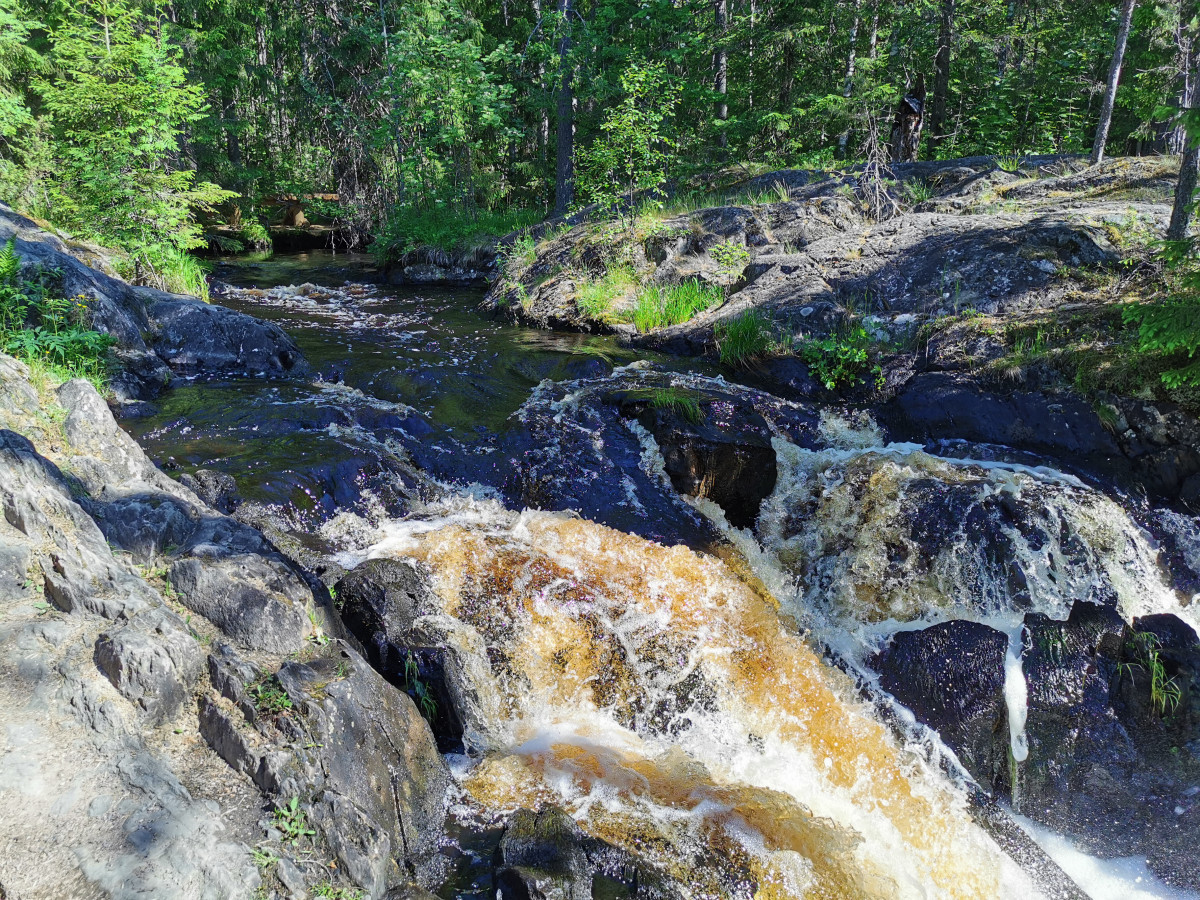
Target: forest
[{"x": 126, "y": 121}]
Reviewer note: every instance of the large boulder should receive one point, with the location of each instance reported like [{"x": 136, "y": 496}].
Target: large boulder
[
  {"x": 951, "y": 676},
  {"x": 390, "y": 607},
  {"x": 353, "y": 749},
  {"x": 185, "y": 333}
]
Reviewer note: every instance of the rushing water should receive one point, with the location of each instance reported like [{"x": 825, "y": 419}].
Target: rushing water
[{"x": 675, "y": 703}]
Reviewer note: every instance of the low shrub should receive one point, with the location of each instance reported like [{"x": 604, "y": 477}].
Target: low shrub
[{"x": 48, "y": 332}]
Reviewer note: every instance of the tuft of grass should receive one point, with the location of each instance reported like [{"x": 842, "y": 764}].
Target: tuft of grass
[
  {"x": 594, "y": 297},
  {"x": 1009, "y": 163},
  {"x": 521, "y": 254},
  {"x": 742, "y": 340},
  {"x": 1165, "y": 693},
  {"x": 916, "y": 192},
  {"x": 678, "y": 402},
  {"x": 662, "y": 307},
  {"x": 270, "y": 698}
]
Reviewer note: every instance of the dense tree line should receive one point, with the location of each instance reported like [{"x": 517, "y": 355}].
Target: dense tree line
[{"x": 121, "y": 118}]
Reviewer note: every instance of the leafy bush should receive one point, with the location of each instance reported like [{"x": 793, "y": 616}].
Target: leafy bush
[
  {"x": 841, "y": 359},
  {"x": 47, "y": 331},
  {"x": 1172, "y": 328},
  {"x": 746, "y": 338},
  {"x": 662, "y": 307}
]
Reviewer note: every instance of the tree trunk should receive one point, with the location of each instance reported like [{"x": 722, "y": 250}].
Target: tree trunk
[
  {"x": 1189, "y": 167},
  {"x": 1114, "y": 76},
  {"x": 848, "y": 87},
  {"x": 233, "y": 148},
  {"x": 874, "y": 42},
  {"x": 941, "y": 75},
  {"x": 721, "y": 67},
  {"x": 564, "y": 169},
  {"x": 1177, "y": 141}
]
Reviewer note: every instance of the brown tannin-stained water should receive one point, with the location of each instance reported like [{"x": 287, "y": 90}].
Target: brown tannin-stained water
[{"x": 673, "y": 710}]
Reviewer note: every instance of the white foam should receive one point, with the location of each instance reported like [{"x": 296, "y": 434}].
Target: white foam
[
  {"x": 1016, "y": 695},
  {"x": 1124, "y": 878}
]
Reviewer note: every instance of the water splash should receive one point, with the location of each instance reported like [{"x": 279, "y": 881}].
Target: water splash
[{"x": 672, "y": 709}]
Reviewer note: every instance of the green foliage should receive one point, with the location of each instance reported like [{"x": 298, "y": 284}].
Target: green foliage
[
  {"x": 594, "y": 296},
  {"x": 731, "y": 258},
  {"x": 293, "y": 823},
  {"x": 662, "y": 307},
  {"x": 416, "y": 688},
  {"x": 842, "y": 359},
  {"x": 264, "y": 859},
  {"x": 269, "y": 698},
  {"x": 679, "y": 402},
  {"x": 117, "y": 105},
  {"x": 631, "y": 155},
  {"x": 47, "y": 331},
  {"x": 742, "y": 340},
  {"x": 448, "y": 229},
  {"x": 1171, "y": 327},
  {"x": 329, "y": 891},
  {"x": 1165, "y": 693},
  {"x": 1010, "y": 164}
]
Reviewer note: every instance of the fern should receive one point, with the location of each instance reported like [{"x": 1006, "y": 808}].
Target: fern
[
  {"x": 1171, "y": 327},
  {"x": 10, "y": 263}
]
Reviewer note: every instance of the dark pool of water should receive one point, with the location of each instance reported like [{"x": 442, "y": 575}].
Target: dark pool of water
[{"x": 416, "y": 371}]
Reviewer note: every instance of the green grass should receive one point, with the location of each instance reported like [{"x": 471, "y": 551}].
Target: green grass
[
  {"x": 446, "y": 228},
  {"x": 594, "y": 297},
  {"x": 662, "y": 307},
  {"x": 678, "y": 402},
  {"x": 48, "y": 332},
  {"x": 1010, "y": 164},
  {"x": 742, "y": 340},
  {"x": 916, "y": 192}
]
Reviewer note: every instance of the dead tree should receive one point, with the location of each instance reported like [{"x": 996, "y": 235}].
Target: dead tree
[{"x": 906, "y": 127}]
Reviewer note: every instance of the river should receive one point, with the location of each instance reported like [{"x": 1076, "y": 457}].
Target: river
[{"x": 707, "y": 706}]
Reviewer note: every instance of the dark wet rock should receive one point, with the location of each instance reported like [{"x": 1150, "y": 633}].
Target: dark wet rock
[
  {"x": 541, "y": 857},
  {"x": 143, "y": 376},
  {"x": 199, "y": 337},
  {"x": 357, "y": 753},
  {"x": 1107, "y": 763},
  {"x": 939, "y": 405},
  {"x": 217, "y": 489},
  {"x": 579, "y": 445},
  {"x": 545, "y": 855},
  {"x": 390, "y": 607},
  {"x": 146, "y": 525},
  {"x": 951, "y": 676},
  {"x": 1170, "y": 631},
  {"x": 153, "y": 661},
  {"x": 725, "y": 454}
]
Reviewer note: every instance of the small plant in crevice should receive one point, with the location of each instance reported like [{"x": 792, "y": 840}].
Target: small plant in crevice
[
  {"x": 330, "y": 891},
  {"x": 416, "y": 688},
  {"x": 744, "y": 339},
  {"x": 264, "y": 859},
  {"x": 731, "y": 259},
  {"x": 674, "y": 400},
  {"x": 842, "y": 359},
  {"x": 292, "y": 822},
  {"x": 269, "y": 698},
  {"x": 1165, "y": 693}
]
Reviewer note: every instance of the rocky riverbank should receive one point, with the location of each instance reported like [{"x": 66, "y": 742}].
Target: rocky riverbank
[{"x": 637, "y": 582}]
